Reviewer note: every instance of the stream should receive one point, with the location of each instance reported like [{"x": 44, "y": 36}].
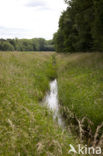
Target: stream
[{"x": 51, "y": 100}]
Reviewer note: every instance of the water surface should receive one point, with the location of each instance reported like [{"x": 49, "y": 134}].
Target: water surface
[{"x": 52, "y": 102}]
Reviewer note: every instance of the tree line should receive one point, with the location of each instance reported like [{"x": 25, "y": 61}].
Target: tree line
[
  {"x": 35, "y": 44},
  {"x": 80, "y": 27}
]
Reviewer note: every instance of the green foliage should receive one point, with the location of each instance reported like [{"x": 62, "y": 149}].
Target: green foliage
[
  {"x": 80, "y": 27},
  {"x": 58, "y": 39},
  {"x": 97, "y": 30},
  {"x": 35, "y": 44},
  {"x": 6, "y": 46}
]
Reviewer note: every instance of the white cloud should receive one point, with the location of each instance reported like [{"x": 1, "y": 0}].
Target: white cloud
[
  {"x": 29, "y": 18},
  {"x": 36, "y": 4}
]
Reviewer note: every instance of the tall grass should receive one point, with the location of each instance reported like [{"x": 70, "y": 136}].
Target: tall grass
[
  {"x": 80, "y": 79},
  {"x": 26, "y": 127}
]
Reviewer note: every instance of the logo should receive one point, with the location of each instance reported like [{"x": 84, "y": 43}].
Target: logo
[
  {"x": 84, "y": 150},
  {"x": 72, "y": 149}
]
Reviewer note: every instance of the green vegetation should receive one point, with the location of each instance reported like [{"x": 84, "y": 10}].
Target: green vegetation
[
  {"x": 80, "y": 76},
  {"x": 80, "y": 82},
  {"x": 80, "y": 27},
  {"x": 26, "y": 127},
  {"x": 35, "y": 44}
]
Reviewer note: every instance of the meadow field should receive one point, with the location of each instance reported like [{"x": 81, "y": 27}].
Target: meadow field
[
  {"x": 80, "y": 79},
  {"x": 26, "y": 126}
]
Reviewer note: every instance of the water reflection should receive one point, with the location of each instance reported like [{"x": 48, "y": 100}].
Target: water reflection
[{"x": 51, "y": 100}]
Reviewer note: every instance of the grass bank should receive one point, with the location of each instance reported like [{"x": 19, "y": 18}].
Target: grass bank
[
  {"x": 80, "y": 80},
  {"x": 26, "y": 127}
]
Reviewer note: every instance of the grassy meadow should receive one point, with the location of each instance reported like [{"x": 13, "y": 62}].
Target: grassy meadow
[
  {"x": 80, "y": 82},
  {"x": 27, "y": 127}
]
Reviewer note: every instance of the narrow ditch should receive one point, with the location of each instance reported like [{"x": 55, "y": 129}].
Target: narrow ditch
[{"x": 52, "y": 102}]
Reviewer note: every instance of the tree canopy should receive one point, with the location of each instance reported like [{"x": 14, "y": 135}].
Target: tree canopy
[
  {"x": 35, "y": 44},
  {"x": 80, "y": 27}
]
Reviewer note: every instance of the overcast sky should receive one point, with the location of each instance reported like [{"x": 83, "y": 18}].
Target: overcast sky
[{"x": 30, "y": 18}]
